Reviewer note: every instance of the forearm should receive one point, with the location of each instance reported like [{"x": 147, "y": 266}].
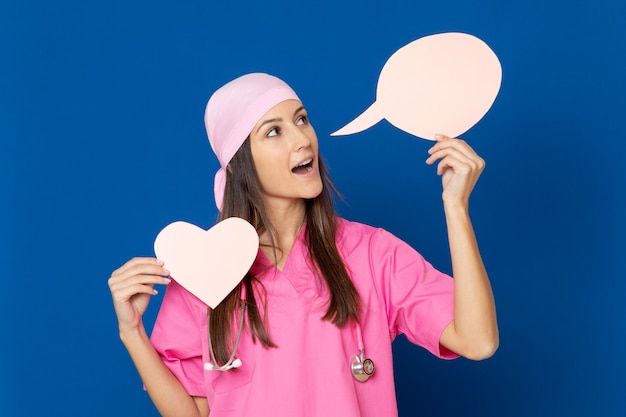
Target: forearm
[
  {"x": 475, "y": 329},
  {"x": 167, "y": 393}
]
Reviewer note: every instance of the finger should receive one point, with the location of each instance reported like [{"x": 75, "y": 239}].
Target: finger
[
  {"x": 441, "y": 137},
  {"x": 461, "y": 163},
  {"x": 138, "y": 261},
  {"x": 460, "y": 149},
  {"x": 459, "y": 144},
  {"x": 140, "y": 273},
  {"x": 453, "y": 152},
  {"x": 125, "y": 289},
  {"x": 459, "y": 167},
  {"x": 123, "y": 295},
  {"x": 139, "y": 279},
  {"x": 140, "y": 269}
]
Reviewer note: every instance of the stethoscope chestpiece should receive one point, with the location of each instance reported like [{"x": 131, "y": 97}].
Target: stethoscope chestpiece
[{"x": 362, "y": 367}]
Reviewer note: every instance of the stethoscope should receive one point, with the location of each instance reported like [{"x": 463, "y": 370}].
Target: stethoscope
[
  {"x": 232, "y": 362},
  {"x": 362, "y": 368}
]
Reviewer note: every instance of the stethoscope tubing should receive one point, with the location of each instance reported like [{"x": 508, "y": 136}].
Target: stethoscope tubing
[
  {"x": 359, "y": 370},
  {"x": 231, "y": 363}
]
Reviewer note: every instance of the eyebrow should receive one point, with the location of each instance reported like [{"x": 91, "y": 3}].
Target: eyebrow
[{"x": 278, "y": 119}]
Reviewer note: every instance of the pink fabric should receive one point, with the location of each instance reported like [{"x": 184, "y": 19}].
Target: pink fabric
[
  {"x": 232, "y": 112},
  {"x": 308, "y": 375}
]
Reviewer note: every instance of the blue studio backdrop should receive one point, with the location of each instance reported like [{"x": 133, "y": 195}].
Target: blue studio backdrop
[{"x": 102, "y": 144}]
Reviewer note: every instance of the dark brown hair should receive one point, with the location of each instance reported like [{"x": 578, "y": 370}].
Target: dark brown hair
[{"x": 243, "y": 198}]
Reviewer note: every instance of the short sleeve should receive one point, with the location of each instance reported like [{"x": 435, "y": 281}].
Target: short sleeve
[
  {"x": 419, "y": 299},
  {"x": 177, "y": 337}
]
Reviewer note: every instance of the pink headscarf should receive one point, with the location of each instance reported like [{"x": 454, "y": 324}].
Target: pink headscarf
[{"x": 232, "y": 112}]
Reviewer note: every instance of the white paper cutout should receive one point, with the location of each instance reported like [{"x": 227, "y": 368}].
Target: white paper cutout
[
  {"x": 208, "y": 263},
  {"x": 442, "y": 83}
]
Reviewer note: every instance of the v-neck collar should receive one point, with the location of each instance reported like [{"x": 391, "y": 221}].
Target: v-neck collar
[
  {"x": 297, "y": 272},
  {"x": 294, "y": 254}
]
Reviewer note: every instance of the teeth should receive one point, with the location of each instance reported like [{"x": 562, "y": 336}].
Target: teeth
[{"x": 308, "y": 161}]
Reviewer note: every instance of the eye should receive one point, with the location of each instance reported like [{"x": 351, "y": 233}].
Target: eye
[
  {"x": 272, "y": 132},
  {"x": 302, "y": 120}
]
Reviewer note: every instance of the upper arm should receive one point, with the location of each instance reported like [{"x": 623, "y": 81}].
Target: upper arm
[
  {"x": 419, "y": 299},
  {"x": 449, "y": 340},
  {"x": 177, "y": 337},
  {"x": 203, "y": 406}
]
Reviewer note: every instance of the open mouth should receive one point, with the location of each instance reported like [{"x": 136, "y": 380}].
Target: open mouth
[{"x": 304, "y": 167}]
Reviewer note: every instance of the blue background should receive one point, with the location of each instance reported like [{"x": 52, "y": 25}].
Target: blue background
[{"x": 103, "y": 144}]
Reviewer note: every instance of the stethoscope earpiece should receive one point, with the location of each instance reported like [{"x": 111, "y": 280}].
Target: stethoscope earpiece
[{"x": 208, "y": 366}]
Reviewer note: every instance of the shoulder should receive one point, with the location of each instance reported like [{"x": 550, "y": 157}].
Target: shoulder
[
  {"x": 178, "y": 298},
  {"x": 346, "y": 227},
  {"x": 356, "y": 237}
]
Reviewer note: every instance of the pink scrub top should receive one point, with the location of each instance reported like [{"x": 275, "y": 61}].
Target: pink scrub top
[{"x": 308, "y": 374}]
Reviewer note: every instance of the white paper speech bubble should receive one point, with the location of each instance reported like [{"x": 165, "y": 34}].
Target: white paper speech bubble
[
  {"x": 442, "y": 83},
  {"x": 208, "y": 263}
]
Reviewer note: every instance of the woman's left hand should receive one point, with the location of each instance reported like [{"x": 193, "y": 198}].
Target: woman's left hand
[{"x": 459, "y": 167}]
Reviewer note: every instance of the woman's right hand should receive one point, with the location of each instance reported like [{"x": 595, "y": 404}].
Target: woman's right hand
[{"x": 131, "y": 287}]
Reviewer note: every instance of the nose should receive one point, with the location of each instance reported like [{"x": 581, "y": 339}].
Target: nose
[{"x": 301, "y": 139}]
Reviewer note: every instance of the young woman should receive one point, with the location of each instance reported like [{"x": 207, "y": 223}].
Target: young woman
[{"x": 325, "y": 297}]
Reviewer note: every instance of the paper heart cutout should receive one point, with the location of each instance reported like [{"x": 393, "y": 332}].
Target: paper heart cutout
[{"x": 208, "y": 263}]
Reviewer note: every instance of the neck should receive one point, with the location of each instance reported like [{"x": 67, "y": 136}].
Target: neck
[{"x": 286, "y": 222}]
